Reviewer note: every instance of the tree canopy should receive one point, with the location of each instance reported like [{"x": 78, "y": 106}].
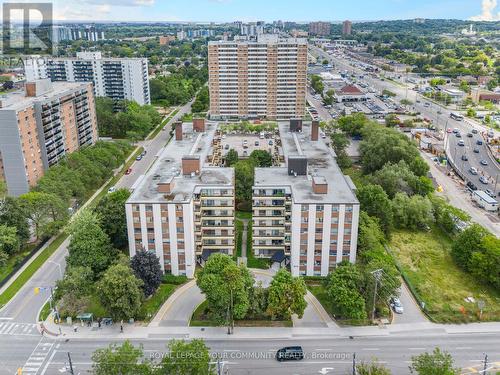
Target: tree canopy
[{"x": 286, "y": 296}]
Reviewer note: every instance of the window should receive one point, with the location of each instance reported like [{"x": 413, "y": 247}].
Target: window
[
  {"x": 149, "y": 208},
  {"x": 335, "y": 208},
  {"x": 136, "y": 219},
  {"x": 348, "y": 208},
  {"x": 304, "y": 207},
  {"x": 319, "y": 230},
  {"x": 347, "y": 242},
  {"x": 335, "y": 220},
  {"x": 347, "y": 231},
  {"x": 320, "y": 208}
]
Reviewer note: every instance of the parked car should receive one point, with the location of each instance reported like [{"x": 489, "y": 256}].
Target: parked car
[
  {"x": 490, "y": 193},
  {"x": 455, "y": 130},
  {"x": 464, "y": 157},
  {"x": 479, "y": 142},
  {"x": 483, "y": 180},
  {"x": 461, "y": 143},
  {"x": 257, "y": 143},
  {"x": 469, "y": 135},
  {"x": 448, "y": 130},
  {"x": 138, "y": 158},
  {"x": 128, "y": 171},
  {"x": 397, "y": 305},
  {"x": 476, "y": 150},
  {"x": 484, "y": 162},
  {"x": 458, "y": 135},
  {"x": 270, "y": 142},
  {"x": 474, "y": 131},
  {"x": 290, "y": 353},
  {"x": 226, "y": 147},
  {"x": 473, "y": 170},
  {"x": 112, "y": 189},
  {"x": 471, "y": 186}
]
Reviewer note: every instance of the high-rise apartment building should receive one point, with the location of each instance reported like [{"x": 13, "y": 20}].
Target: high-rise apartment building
[
  {"x": 116, "y": 78},
  {"x": 251, "y": 28},
  {"x": 347, "y": 28},
  {"x": 265, "y": 78},
  {"x": 319, "y": 28},
  {"x": 305, "y": 213},
  {"x": 183, "y": 208},
  {"x": 39, "y": 126}
]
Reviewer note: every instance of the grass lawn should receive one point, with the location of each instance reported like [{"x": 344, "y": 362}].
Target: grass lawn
[
  {"x": 200, "y": 318},
  {"x": 14, "y": 260},
  {"x": 243, "y": 215},
  {"x": 252, "y": 262},
  {"x": 151, "y": 306},
  {"x": 426, "y": 260}
]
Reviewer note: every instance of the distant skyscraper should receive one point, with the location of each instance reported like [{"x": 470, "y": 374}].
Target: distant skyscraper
[
  {"x": 347, "y": 28},
  {"x": 319, "y": 28}
]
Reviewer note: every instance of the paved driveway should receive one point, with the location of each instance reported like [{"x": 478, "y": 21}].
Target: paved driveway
[{"x": 412, "y": 313}]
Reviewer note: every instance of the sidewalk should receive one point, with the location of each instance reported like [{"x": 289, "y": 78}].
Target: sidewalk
[{"x": 137, "y": 331}]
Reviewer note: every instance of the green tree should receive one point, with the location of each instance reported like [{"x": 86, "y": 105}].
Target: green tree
[
  {"x": 146, "y": 266},
  {"x": 436, "y": 363},
  {"x": 464, "y": 86},
  {"x": 3, "y": 258},
  {"x": 446, "y": 215},
  {"x": 375, "y": 202},
  {"x": 286, "y": 296},
  {"x": 261, "y": 158},
  {"x": 111, "y": 210},
  {"x": 221, "y": 280},
  {"x": 120, "y": 292},
  {"x": 317, "y": 84},
  {"x": 343, "y": 288},
  {"x": 412, "y": 212},
  {"x": 329, "y": 97},
  {"x": 485, "y": 264},
  {"x": 202, "y": 101},
  {"x": 467, "y": 242},
  {"x": 187, "y": 358},
  {"x": 372, "y": 368},
  {"x": 391, "y": 120},
  {"x": 354, "y": 124},
  {"x": 258, "y": 302},
  {"x": 9, "y": 241},
  {"x": 471, "y": 113},
  {"x": 122, "y": 359},
  {"x": 231, "y": 157},
  {"x": 13, "y": 215},
  {"x": 73, "y": 291},
  {"x": 244, "y": 176},
  {"x": 339, "y": 145},
  {"x": 89, "y": 245},
  {"x": 47, "y": 212}
]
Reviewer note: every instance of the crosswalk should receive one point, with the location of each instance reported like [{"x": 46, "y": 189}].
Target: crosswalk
[
  {"x": 37, "y": 358},
  {"x": 18, "y": 329}
]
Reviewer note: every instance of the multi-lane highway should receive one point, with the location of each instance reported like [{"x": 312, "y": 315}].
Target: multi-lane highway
[{"x": 442, "y": 120}]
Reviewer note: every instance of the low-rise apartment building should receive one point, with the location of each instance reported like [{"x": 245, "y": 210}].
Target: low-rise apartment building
[
  {"x": 39, "y": 126},
  {"x": 183, "y": 208},
  {"x": 305, "y": 211},
  {"x": 116, "y": 78},
  {"x": 265, "y": 78}
]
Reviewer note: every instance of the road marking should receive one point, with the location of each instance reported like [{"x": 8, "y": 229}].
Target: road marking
[
  {"x": 48, "y": 362},
  {"x": 370, "y": 349},
  {"x": 232, "y": 350},
  {"x": 6, "y": 318},
  {"x": 416, "y": 348},
  {"x": 324, "y": 350},
  {"x": 463, "y": 347}
]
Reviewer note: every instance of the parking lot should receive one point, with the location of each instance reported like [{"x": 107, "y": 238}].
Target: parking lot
[{"x": 244, "y": 144}]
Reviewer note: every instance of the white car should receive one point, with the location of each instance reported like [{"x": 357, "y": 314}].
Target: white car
[
  {"x": 112, "y": 189},
  {"x": 397, "y": 306}
]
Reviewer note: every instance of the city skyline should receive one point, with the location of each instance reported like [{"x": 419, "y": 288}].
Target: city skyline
[{"x": 233, "y": 10}]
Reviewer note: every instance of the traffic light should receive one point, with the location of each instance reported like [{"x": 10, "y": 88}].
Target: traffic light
[{"x": 37, "y": 290}]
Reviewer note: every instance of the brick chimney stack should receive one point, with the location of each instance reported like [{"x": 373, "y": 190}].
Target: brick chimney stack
[
  {"x": 178, "y": 131},
  {"x": 191, "y": 164},
  {"x": 314, "y": 130},
  {"x": 319, "y": 185},
  {"x": 199, "y": 125}
]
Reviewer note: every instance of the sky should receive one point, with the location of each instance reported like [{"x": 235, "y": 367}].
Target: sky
[{"x": 269, "y": 10}]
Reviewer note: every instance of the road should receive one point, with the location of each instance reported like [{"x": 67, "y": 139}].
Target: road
[
  {"x": 257, "y": 356},
  {"x": 441, "y": 118},
  {"x": 25, "y": 306}
]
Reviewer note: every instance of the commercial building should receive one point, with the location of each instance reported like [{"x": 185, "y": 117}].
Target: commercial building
[
  {"x": 350, "y": 93},
  {"x": 183, "y": 208},
  {"x": 265, "y": 78},
  {"x": 479, "y": 95},
  {"x": 347, "y": 28},
  {"x": 116, "y": 78},
  {"x": 319, "y": 28},
  {"x": 39, "y": 126},
  {"x": 305, "y": 213}
]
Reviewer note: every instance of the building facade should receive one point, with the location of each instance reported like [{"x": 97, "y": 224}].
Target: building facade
[
  {"x": 116, "y": 78},
  {"x": 305, "y": 211},
  {"x": 258, "y": 79},
  {"x": 347, "y": 28},
  {"x": 319, "y": 28},
  {"x": 40, "y": 126},
  {"x": 183, "y": 208}
]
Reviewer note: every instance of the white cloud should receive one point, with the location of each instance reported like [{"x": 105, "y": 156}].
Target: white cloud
[{"x": 488, "y": 8}]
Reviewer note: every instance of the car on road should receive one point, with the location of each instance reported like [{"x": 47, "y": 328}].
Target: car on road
[
  {"x": 474, "y": 131},
  {"x": 476, "y": 150},
  {"x": 471, "y": 186},
  {"x": 455, "y": 130},
  {"x": 469, "y": 135},
  {"x": 290, "y": 353},
  {"x": 128, "y": 171},
  {"x": 112, "y": 189},
  {"x": 484, "y": 162},
  {"x": 427, "y": 104},
  {"x": 448, "y": 130},
  {"x": 270, "y": 143},
  {"x": 464, "y": 157},
  {"x": 458, "y": 135},
  {"x": 473, "y": 170},
  {"x": 257, "y": 143},
  {"x": 226, "y": 147},
  {"x": 479, "y": 142},
  {"x": 461, "y": 143},
  {"x": 490, "y": 193},
  {"x": 483, "y": 180},
  {"x": 138, "y": 158},
  {"x": 396, "y": 305}
]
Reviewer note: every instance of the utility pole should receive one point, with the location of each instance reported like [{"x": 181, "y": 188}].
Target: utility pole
[
  {"x": 485, "y": 363},
  {"x": 219, "y": 372},
  {"x": 353, "y": 363},
  {"x": 376, "y": 274},
  {"x": 70, "y": 365}
]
